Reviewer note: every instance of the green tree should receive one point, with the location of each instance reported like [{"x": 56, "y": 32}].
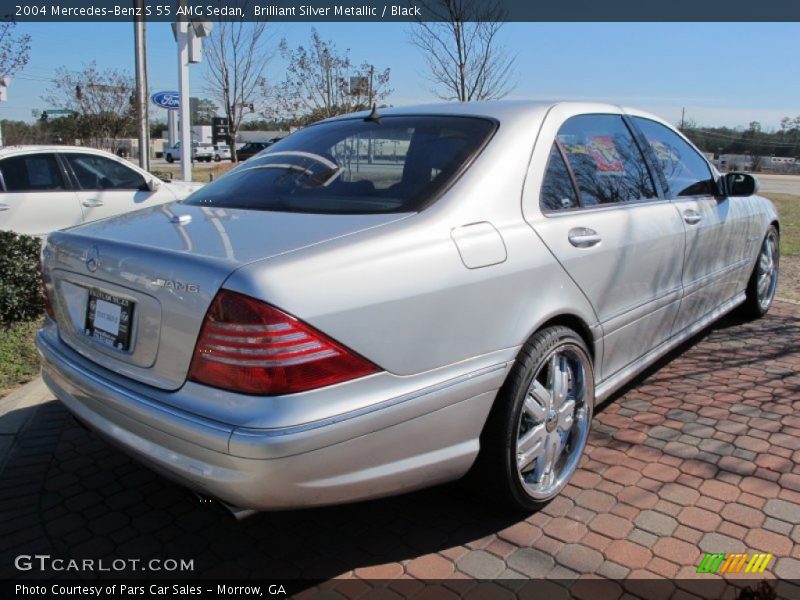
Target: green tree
[{"x": 206, "y": 111}]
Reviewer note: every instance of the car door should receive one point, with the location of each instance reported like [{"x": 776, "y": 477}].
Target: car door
[
  {"x": 717, "y": 228},
  {"x": 35, "y": 195},
  {"x": 108, "y": 187},
  {"x": 605, "y": 222}
]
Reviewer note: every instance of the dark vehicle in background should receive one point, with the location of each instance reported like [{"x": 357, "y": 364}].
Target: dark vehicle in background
[{"x": 250, "y": 149}]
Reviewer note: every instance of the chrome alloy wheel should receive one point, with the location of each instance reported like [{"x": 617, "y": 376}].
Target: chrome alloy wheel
[
  {"x": 554, "y": 421},
  {"x": 767, "y": 278}
]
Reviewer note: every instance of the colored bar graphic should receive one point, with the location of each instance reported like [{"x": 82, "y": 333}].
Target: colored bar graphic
[{"x": 721, "y": 562}]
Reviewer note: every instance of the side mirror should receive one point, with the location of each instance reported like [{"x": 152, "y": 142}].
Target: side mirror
[
  {"x": 152, "y": 184},
  {"x": 740, "y": 184}
]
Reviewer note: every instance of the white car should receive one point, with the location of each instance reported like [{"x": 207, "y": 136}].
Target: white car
[
  {"x": 45, "y": 188},
  {"x": 199, "y": 152},
  {"x": 222, "y": 152}
]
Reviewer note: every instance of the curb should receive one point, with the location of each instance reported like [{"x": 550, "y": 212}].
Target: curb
[{"x": 32, "y": 393}]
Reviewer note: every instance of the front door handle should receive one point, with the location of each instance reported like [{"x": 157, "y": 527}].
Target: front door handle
[
  {"x": 692, "y": 217},
  {"x": 4, "y": 207},
  {"x": 583, "y": 237},
  {"x": 93, "y": 202}
]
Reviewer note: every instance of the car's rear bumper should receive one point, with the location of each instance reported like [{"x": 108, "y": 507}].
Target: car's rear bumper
[{"x": 367, "y": 454}]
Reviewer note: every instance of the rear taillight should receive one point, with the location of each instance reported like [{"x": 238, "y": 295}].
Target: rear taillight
[
  {"x": 250, "y": 347},
  {"x": 48, "y": 306}
]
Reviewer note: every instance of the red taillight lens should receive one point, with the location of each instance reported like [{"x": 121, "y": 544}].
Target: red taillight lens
[
  {"x": 48, "y": 306},
  {"x": 250, "y": 347}
]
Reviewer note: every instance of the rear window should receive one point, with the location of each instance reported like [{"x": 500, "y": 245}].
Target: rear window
[{"x": 395, "y": 164}]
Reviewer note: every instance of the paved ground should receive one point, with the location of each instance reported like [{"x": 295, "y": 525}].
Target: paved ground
[
  {"x": 780, "y": 184},
  {"x": 700, "y": 455},
  {"x": 16, "y": 409}
]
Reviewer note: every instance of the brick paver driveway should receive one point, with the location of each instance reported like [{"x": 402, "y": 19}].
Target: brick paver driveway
[{"x": 702, "y": 454}]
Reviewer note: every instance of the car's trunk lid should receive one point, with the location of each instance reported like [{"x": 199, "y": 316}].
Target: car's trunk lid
[{"x": 167, "y": 262}]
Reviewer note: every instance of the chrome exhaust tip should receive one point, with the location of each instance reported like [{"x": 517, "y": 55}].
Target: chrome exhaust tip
[{"x": 237, "y": 512}]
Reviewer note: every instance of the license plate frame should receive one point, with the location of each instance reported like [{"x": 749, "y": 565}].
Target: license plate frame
[{"x": 102, "y": 310}]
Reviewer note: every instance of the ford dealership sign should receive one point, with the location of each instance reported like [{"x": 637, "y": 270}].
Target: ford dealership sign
[{"x": 168, "y": 100}]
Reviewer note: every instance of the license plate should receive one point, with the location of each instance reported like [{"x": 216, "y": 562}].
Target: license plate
[{"x": 109, "y": 319}]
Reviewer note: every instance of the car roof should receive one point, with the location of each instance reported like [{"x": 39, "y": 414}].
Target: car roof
[
  {"x": 26, "y": 149},
  {"x": 30, "y": 149},
  {"x": 500, "y": 110}
]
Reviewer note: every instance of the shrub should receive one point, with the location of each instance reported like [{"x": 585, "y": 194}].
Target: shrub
[
  {"x": 20, "y": 287},
  {"x": 162, "y": 175}
]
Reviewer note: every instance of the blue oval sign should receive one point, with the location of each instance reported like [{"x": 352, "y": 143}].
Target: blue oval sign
[{"x": 168, "y": 100}]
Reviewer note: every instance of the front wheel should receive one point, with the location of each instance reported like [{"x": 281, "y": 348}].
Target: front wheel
[
  {"x": 170, "y": 159},
  {"x": 217, "y": 158},
  {"x": 538, "y": 427},
  {"x": 764, "y": 280}
]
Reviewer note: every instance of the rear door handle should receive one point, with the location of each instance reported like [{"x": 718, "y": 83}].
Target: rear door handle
[
  {"x": 4, "y": 207},
  {"x": 92, "y": 203},
  {"x": 692, "y": 217},
  {"x": 583, "y": 237}
]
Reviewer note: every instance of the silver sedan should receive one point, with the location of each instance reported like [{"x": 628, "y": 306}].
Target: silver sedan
[{"x": 387, "y": 301}]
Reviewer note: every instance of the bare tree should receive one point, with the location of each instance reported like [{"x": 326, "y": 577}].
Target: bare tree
[
  {"x": 101, "y": 103},
  {"x": 14, "y": 49},
  {"x": 460, "y": 44},
  {"x": 320, "y": 82},
  {"x": 236, "y": 60}
]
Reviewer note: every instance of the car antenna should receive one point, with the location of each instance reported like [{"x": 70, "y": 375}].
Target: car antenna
[{"x": 373, "y": 116}]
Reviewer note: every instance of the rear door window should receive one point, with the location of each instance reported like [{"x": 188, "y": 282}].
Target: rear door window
[
  {"x": 686, "y": 171},
  {"x": 394, "y": 164},
  {"x": 607, "y": 163},
  {"x": 31, "y": 173}
]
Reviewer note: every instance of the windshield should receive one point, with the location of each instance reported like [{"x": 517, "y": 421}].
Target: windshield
[{"x": 394, "y": 164}]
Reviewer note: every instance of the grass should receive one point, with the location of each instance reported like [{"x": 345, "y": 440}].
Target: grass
[
  {"x": 789, "y": 211},
  {"x": 19, "y": 362},
  {"x": 199, "y": 175}
]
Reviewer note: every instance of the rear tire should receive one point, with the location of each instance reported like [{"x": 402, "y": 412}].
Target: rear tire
[
  {"x": 170, "y": 159},
  {"x": 537, "y": 430},
  {"x": 763, "y": 282}
]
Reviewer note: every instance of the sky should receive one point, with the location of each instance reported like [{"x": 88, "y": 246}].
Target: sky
[{"x": 723, "y": 74}]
